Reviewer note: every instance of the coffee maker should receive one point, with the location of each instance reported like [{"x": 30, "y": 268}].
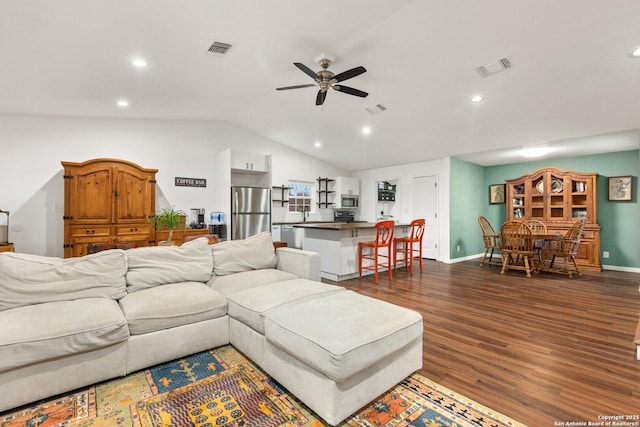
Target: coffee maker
[{"x": 197, "y": 218}]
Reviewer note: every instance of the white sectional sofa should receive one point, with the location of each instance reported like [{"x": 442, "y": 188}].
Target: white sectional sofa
[{"x": 68, "y": 323}]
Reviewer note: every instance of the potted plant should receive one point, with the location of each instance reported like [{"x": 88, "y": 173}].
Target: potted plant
[{"x": 170, "y": 218}]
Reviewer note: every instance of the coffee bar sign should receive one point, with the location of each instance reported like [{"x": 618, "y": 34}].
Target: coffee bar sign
[{"x": 190, "y": 182}]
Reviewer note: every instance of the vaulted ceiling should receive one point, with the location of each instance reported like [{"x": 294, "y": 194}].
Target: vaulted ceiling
[{"x": 570, "y": 74}]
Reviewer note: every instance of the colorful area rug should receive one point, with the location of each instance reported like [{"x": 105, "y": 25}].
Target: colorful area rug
[{"x": 222, "y": 388}]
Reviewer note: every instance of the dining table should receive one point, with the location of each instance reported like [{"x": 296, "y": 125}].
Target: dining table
[
  {"x": 540, "y": 242},
  {"x": 544, "y": 239}
]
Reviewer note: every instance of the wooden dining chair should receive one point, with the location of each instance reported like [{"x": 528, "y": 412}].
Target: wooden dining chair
[
  {"x": 539, "y": 228},
  {"x": 377, "y": 253},
  {"x": 404, "y": 248},
  {"x": 517, "y": 247},
  {"x": 491, "y": 241},
  {"x": 565, "y": 248}
]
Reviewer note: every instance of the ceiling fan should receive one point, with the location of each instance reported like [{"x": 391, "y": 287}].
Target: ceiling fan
[{"x": 326, "y": 79}]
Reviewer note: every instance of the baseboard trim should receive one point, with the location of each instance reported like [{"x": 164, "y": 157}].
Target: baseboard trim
[
  {"x": 604, "y": 267},
  {"x": 462, "y": 259},
  {"x": 618, "y": 268}
]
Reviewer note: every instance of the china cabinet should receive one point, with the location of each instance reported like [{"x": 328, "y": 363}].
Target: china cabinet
[
  {"x": 107, "y": 201},
  {"x": 558, "y": 198}
]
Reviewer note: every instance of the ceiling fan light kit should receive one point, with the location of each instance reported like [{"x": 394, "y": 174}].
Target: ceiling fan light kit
[{"x": 326, "y": 79}]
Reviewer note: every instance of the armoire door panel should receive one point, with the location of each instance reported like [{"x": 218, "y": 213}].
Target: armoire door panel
[
  {"x": 92, "y": 191},
  {"x": 133, "y": 196}
]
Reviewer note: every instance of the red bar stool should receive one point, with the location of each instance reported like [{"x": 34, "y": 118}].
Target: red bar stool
[
  {"x": 375, "y": 250},
  {"x": 404, "y": 249}
]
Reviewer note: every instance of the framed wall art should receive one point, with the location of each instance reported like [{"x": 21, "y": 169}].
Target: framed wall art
[
  {"x": 620, "y": 187},
  {"x": 496, "y": 193}
]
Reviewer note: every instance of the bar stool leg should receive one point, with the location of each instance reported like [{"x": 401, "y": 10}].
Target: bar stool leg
[
  {"x": 360, "y": 260},
  {"x": 390, "y": 252},
  {"x": 375, "y": 264}
]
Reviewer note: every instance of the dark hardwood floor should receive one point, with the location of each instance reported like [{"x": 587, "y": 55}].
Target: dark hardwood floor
[{"x": 543, "y": 350}]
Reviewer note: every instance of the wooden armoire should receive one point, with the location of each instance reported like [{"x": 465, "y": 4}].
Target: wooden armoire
[{"x": 107, "y": 202}]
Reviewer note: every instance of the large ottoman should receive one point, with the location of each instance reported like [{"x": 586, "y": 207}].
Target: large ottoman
[
  {"x": 248, "y": 309},
  {"x": 339, "y": 351}
]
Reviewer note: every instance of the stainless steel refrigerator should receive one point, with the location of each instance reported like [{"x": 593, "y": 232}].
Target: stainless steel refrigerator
[{"x": 250, "y": 211}]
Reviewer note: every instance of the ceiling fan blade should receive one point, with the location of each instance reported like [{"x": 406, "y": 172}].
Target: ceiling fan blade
[
  {"x": 349, "y": 74},
  {"x": 322, "y": 94},
  {"x": 294, "y": 87},
  {"x": 308, "y": 71},
  {"x": 350, "y": 91}
]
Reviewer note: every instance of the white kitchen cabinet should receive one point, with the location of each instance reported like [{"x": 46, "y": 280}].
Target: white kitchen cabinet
[
  {"x": 347, "y": 185},
  {"x": 249, "y": 162},
  {"x": 338, "y": 250},
  {"x": 349, "y": 240},
  {"x": 276, "y": 233}
]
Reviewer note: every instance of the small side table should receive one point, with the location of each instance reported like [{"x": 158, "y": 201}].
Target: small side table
[{"x": 8, "y": 247}]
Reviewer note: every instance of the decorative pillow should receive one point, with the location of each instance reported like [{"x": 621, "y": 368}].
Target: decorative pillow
[
  {"x": 159, "y": 265},
  {"x": 33, "y": 279},
  {"x": 253, "y": 253}
]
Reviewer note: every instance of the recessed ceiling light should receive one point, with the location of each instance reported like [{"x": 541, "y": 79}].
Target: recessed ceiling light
[
  {"x": 317, "y": 144},
  {"x": 535, "y": 151},
  {"x": 476, "y": 98},
  {"x": 635, "y": 53},
  {"x": 366, "y": 130},
  {"x": 123, "y": 103},
  {"x": 139, "y": 63}
]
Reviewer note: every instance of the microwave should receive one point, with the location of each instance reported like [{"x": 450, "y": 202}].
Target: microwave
[{"x": 349, "y": 202}]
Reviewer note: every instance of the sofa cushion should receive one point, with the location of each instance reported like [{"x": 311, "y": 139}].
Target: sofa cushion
[
  {"x": 58, "y": 329},
  {"x": 159, "y": 265},
  {"x": 237, "y": 282},
  {"x": 234, "y": 256},
  {"x": 250, "y": 306},
  {"x": 32, "y": 279},
  {"x": 343, "y": 333},
  {"x": 171, "y": 305}
]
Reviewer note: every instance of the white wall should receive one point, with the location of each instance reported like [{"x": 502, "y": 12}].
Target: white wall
[
  {"x": 404, "y": 176},
  {"x": 32, "y": 147}
]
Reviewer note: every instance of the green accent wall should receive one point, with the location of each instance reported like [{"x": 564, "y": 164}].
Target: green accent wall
[
  {"x": 467, "y": 195},
  {"x": 620, "y": 231}
]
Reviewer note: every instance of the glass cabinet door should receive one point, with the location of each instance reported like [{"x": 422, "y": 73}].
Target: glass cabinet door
[
  {"x": 556, "y": 197},
  {"x": 538, "y": 191},
  {"x": 579, "y": 199},
  {"x": 517, "y": 200}
]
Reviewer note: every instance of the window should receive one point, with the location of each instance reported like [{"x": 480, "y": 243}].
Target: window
[{"x": 300, "y": 196}]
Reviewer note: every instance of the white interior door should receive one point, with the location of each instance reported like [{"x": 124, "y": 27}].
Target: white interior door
[{"x": 425, "y": 205}]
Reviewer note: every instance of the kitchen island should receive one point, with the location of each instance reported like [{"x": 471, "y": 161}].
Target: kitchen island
[{"x": 337, "y": 244}]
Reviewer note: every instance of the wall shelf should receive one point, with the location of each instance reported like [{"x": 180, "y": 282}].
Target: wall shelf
[
  {"x": 324, "y": 193},
  {"x": 283, "y": 194}
]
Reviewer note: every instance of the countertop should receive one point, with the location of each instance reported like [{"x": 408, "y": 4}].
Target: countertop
[
  {"x": 302, "y": 222},
  {"x": 340, "y": 225}
]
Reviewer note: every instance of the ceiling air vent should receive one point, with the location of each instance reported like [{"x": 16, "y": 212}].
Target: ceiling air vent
[
  {"x": 378, "y": 108},
  {"x": 492, "y": 68},
  {"x": 220, "y": 48}
]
